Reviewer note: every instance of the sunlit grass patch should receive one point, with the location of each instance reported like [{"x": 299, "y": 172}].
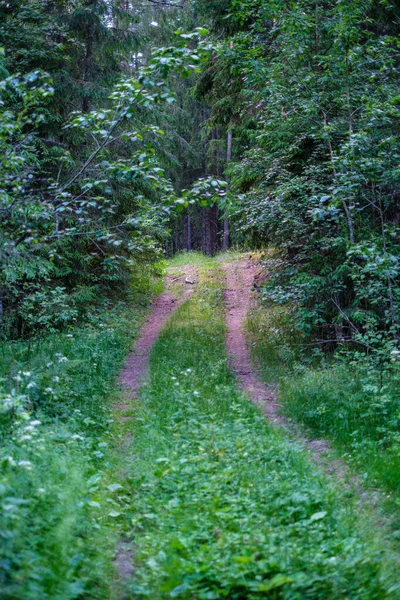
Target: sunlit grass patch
[{"x": 194, "y": 258}]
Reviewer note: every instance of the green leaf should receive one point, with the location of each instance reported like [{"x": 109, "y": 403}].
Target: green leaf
[
  {"x": 318, "y": 515},
  {"x": 114, "y": 487}
]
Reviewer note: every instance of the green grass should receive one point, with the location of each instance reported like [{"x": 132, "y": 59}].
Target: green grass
[
  {"x": 218, "y": 504},
  {"x": 347, "y": 399},
  {"x": 198, "y": 259},
  {"x": 195, "y": 259},
  {"x": 214, "y": 503},
  {"x": 275, "y": 344},
  {"x": 56, "y": 536},
  {"x": 360, "y": 413}
]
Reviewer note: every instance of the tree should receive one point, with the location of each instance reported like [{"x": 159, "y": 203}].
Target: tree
[
  {"x": 317, "y": 121},
  {"x": 107, "y": 205}
]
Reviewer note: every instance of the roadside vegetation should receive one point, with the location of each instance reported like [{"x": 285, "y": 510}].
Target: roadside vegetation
[
  {"x": 351, "y": 398},
  {"x": 56, "y": 425}
]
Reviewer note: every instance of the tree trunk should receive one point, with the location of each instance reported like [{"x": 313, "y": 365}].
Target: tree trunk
[
  {"x": 346, "y": 208},
  {"x": 189, "y": 233},
  {"x": 225, "y": 239},
  {"x": 88, "y": 68},
  {"x": 213, "y": 215},
  {"x": 204, "y": 229}
]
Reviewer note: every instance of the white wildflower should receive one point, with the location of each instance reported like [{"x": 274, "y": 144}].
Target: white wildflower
[
  {"x": 31, "y": 384},
  {"x": 25, "y": 463},
  {"x": 63, "y": 359},
  {"x": 56, "y": 379},
  {"x": 8, "y": 403}
]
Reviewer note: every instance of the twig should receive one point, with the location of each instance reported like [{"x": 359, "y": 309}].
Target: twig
[{"x": 354, "y": 328}]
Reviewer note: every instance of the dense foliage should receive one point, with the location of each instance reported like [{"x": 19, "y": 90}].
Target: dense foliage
[
  {"x": 55, "y": 426},
  {"x": 84, "y": 194},
  {"x": 310, "y": 91},
  {"x": 301, "y": 100}
]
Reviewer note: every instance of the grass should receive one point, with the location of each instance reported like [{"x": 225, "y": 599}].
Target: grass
[
  {"x": 216, "y": 503},
  {"x": 57, "y": 539},
  {"x": 349, "y": 399},
  {"x": 212, "y": 502},
  {"x": 198, "y": 259},
  {"x": 351, "y": 406},
  {"x": 275, "y": 344}
]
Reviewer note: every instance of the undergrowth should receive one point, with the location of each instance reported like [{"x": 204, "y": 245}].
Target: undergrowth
[
  {"x": 221, "y": 505},
  {"x": 55, "y": 491},
  {"x": 350, "y": 398},
  {"x": 274, "y": 341}
]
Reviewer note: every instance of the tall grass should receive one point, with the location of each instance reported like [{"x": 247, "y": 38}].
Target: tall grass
[
  {"x": 357, "y": 409},
  {"x": 351, "y": 398},
  {"x": 275, "y": 343},
  {"x": 55, "y": 420}
]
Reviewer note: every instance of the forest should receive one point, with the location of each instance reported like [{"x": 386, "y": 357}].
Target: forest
[{"x": 199, "y": 299}]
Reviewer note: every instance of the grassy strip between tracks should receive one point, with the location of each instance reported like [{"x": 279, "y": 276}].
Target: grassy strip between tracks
[{"x": 217, "y": 503}]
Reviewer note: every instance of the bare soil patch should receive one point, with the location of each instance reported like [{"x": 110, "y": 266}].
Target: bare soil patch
[{"x": 240, "y": 279}]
